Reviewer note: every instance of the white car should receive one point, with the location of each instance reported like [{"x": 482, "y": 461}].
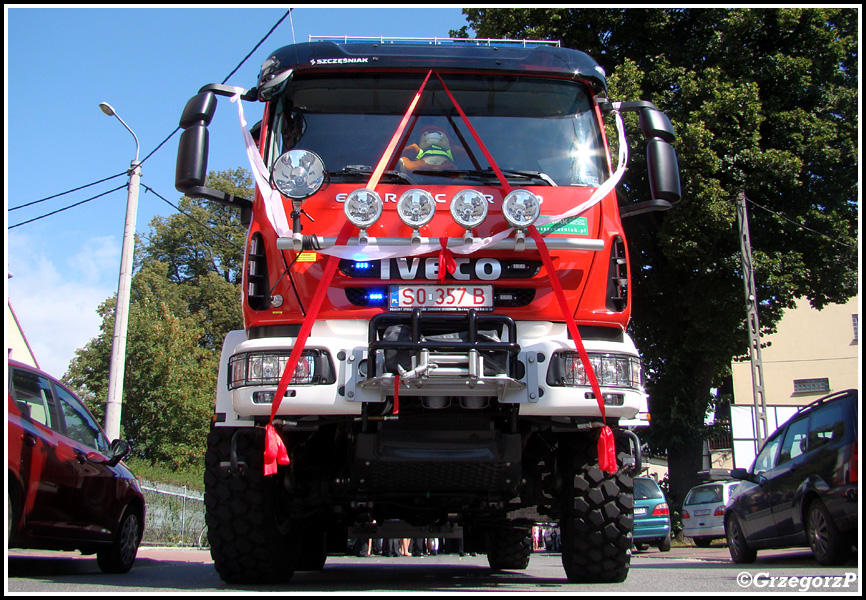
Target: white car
[{"x": 704, "y": 511}]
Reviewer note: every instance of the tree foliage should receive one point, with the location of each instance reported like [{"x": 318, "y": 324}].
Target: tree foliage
[
  {"x": 763, "y": 101},
  {"x": 184, "y": 300}
]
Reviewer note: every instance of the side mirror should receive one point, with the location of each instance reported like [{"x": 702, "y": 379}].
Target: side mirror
[
  {"x": 117, "y": 451},
  {"x": 662, "y": 164},
  {"x": 192, "y": 154},
  {"x": 741, "y": 474}
]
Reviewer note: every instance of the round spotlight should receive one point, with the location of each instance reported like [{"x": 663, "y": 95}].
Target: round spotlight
[
  {"x": 363, "y": 207},
  {"x": 416, "y": 208},
  {"x": 298, "y": 174},
  {"x": 469, "y": 208},
  {"x": 521, "y": 208}
]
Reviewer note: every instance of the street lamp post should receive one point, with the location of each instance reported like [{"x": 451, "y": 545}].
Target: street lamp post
[{"x": 114, "y": 402}]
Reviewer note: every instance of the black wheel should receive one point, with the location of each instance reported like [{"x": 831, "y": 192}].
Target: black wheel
[
  {"x": 120, "y": 556},
  {"x": 665, "y": 544},
  {"x": 739, "y": 548},
  {"x": 509, "y": 546},
  {"x": 251, "y": 541},
  {"x": 702, "y": 542},
  {"x": 829, "y": 545},
  {"x": 597, "y": 522},
  {"x": 641, "y": 547}
]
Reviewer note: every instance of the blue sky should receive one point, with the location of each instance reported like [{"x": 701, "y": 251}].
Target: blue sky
[{"x": 145, "y": 62}]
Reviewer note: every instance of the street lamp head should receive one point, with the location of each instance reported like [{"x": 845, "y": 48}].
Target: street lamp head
[{"x": 109, "y": 110}]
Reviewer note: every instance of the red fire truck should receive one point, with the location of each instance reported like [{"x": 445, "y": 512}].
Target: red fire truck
[{"x": 436, "y": 294}]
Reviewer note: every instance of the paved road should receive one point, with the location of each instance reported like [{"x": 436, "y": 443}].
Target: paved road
[{"x": 699, "y": 571}]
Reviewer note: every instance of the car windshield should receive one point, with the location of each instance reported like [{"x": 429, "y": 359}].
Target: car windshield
[
  {"x": 538, "y": 131},
  {"x": 645, "y": 489},
  {"x": 704, "y": 495}
]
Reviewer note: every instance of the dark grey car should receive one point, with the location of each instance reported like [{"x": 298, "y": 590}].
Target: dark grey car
[{"x": 802, "y": 488}]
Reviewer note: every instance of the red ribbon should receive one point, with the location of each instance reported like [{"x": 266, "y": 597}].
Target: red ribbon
[
  {"x": 275, "y": 451},
  {"x": 447, "y": 264},
  {"x": 606, "y": 447}
]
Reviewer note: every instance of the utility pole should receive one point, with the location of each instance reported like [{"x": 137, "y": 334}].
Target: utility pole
[
  {"x": 752, "y": 323},
  {"x": 117, "y": 366}
]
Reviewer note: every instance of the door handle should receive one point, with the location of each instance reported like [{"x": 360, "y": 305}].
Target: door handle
[{"x": 29, "y": 439}]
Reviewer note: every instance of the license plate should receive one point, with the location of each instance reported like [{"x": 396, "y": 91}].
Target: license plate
[
  {"x": 440, "y": 297},
  {"x": 702, "y": 513},
  {"x": 640, "y": 510}
]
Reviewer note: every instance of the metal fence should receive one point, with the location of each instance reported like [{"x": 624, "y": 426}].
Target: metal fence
[{"x": 174, "y": 516}]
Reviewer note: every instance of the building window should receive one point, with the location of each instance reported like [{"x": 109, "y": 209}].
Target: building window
[{"x": 820, "y": 385}]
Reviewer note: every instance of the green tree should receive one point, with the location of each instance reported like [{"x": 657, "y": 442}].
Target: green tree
[
  {"x": 184, "y": 300},
  {"x": 763, "y": 101}
]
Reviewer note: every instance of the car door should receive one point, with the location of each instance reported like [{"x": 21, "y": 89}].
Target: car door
[
  {"x": 753, "y": 496},
  {"x": 46, "y": 462},
  {"x": 787, "y": 479},
  {"x": 93, "y": 496}
]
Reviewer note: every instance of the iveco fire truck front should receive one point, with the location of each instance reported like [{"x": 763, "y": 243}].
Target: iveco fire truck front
[{"x": 436, "y": 294}]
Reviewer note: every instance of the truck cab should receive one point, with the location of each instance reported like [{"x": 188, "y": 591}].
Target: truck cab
[{"x": 436, "y": 224}]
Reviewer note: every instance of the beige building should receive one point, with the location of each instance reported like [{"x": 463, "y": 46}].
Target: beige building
[
  {"x": 812, "y": 354},
  {"x": 17, "y": 347}
]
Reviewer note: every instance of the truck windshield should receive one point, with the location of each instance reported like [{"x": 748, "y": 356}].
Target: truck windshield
[{"x": 539, "y": 131}]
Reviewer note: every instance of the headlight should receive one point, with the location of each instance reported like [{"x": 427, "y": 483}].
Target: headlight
[
  {"x": 611, "y": 370},
  {"x": 266, "y": 368},
  {"x": 521, "y": 208},
  {"x": 416, "y": 208},
  {"x": 469, "y": 208},
  {"x": 298, "y": 174},
  {"x": 363, "y": 208}
]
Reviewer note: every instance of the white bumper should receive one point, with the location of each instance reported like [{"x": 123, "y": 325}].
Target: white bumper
[{"x": 347, "y": 343}]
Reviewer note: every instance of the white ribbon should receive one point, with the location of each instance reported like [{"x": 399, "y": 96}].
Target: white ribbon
[
  {"x": 276, "y": 213},
  {"x": 274, "y": 207}
]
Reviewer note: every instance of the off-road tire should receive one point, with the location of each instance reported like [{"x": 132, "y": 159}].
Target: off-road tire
[
  {"x": 597, "y": 524},
  {"x": 251, "y": 542},
  {"x": 509, "y": 546}
]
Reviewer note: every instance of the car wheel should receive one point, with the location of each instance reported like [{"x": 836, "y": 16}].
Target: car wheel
[
  {"x": 702, "y": 542},
  {"x": 119, "y": 557},
  {"x": 641, "y": 547},
  {"x": 665, "y": 544},
  {"x": 740, "y": 550},
  {"x": 829, "y": 546}
]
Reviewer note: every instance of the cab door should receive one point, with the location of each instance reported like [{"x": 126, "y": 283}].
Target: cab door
[
  {"x": 792, "y": 472},
  {"x": 754, "y": 496},
  {"x": 93, "y": 495}
]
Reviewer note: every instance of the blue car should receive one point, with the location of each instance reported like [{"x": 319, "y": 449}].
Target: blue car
[{"x": 652, "y": 517}]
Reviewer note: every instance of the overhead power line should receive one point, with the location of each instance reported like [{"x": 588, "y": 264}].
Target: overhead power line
[
  {"x": 67, "y": 207},
  {"x": 152, "y": 152},
  {"x": 66, "y": 192}
]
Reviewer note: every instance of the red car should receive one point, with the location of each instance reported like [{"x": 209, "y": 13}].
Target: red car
[{"x": 67, "y": 488}]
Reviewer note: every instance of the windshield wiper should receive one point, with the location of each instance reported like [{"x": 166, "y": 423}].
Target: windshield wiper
[
  {"x": 487, "y": 173},
  {"x": 364, "y": 172}
]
